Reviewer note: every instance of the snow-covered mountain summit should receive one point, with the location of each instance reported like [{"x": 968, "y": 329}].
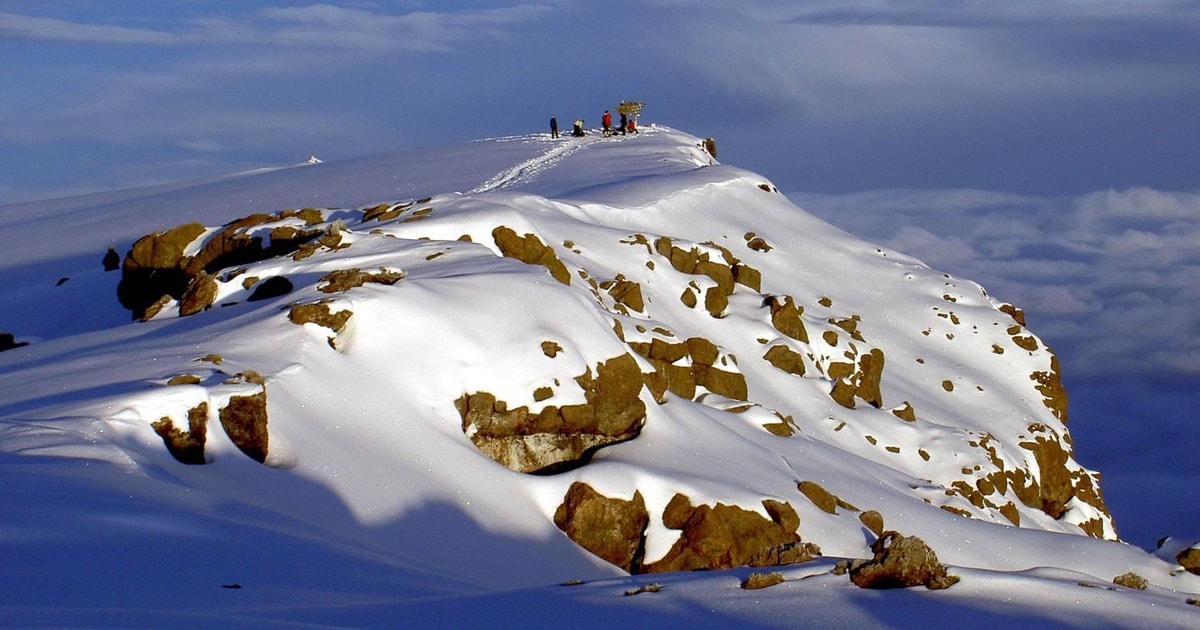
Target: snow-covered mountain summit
[{"x": 505, "y": 365}]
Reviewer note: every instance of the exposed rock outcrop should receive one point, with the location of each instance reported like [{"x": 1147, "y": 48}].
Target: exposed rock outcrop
[
  {"x": 157, "y": 267},
  {"x": 726, "y": 536},
  {"x": 557, "y": 438}
]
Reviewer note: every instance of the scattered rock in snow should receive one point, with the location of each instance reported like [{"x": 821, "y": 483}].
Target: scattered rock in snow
[
  {"x": 681, "y": 367},
  {"x": 1131, "y": 580},
  {"x": 761, "y": 580},
  {"x": 822, "y": 498},
  {"x": 900, "y": 562},
  {"x": 185, "y": 446},
  {"x": 341, "y": 280},
  {"x": 320, "y": 314},
  {"x": 245, "y": 422},
  {"x": 1189, "y": 559},
  {"x": 530, "y": 250},
  {"x": 873, "y": 521}
]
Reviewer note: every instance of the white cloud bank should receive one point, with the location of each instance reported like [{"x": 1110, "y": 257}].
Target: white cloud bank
[{"x": 1111, "y": 278}]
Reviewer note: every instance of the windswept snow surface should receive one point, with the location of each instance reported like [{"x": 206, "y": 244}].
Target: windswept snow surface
[{"x": 374, "y": 510}]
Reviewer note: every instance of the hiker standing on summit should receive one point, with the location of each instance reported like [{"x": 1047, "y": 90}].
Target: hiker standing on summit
[
  {"x": 606, "y": 120},
  {"x": 553, "y": 127}
]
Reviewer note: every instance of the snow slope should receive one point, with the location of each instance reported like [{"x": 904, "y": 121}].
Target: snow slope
[{"x": 920, "y": 397}]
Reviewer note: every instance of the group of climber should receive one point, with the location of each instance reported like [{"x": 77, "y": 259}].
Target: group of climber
[{"x": 627, "y": 125}]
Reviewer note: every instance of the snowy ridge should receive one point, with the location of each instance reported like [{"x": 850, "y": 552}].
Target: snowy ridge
[{"x": 353, "y": 371}]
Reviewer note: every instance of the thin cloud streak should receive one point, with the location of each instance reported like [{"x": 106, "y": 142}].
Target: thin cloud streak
[
  {"x": 50, "y": 29},
  {"x": 317, "y": 25},
  {"x": 998, "y": 15}
]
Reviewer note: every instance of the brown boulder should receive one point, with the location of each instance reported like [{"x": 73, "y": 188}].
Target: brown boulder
[
  {"x": 1189, "y": 559},
  {"x": 612, "y": 529},
  {"x": 245, "y": 422},
  {"x": 900, "y": 562},
  {"x": 785, "y": 317},
  {"x": 530, "y": 250},
  {"x": 200, "y": 294},
  {"x": 786, "y": 359},
  {"x": 682, "y": 380},
  {"x": 155, "y": 267}
]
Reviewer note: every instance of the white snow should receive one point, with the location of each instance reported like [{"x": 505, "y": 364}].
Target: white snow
[{"x": 375, "y": 510}]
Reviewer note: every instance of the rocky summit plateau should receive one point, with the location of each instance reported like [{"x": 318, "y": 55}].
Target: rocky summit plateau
[{"x": 526, "y": 380}]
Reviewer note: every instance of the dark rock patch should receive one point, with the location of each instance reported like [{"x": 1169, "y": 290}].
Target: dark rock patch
[{"x": 272, "y": 287}]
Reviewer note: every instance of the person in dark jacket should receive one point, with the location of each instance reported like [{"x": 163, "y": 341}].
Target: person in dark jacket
[
  {"x": 578, "y": 131},
  {"x": 112, "y": 260},
  {"x": 553, "y": 127},
  {"x": 624, "y": 123}
]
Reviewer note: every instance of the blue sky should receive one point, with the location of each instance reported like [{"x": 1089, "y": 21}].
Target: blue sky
[{"x": 1045, "y": 148}]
